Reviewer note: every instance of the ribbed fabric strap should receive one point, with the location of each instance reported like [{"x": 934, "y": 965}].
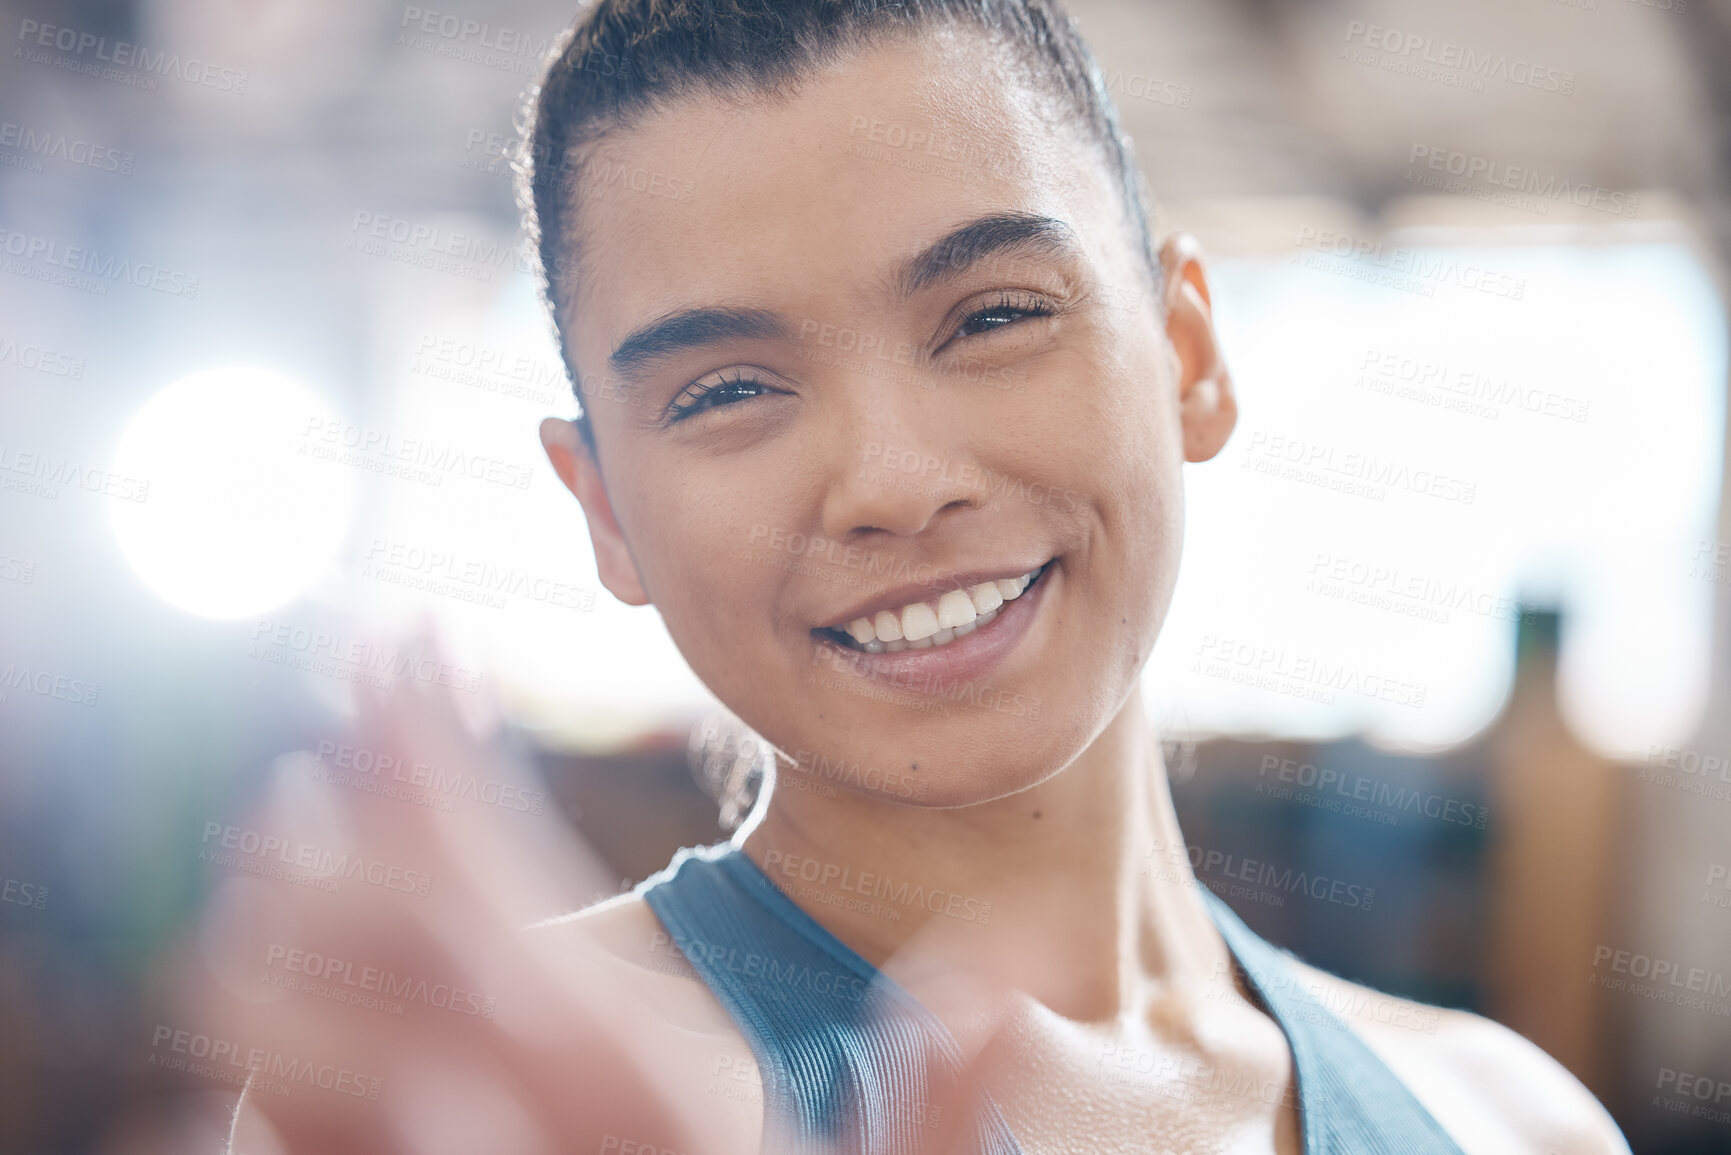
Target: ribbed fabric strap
[
  {"x": 850, "y": 1061},
  {"x": 1349, "y": 1101}
]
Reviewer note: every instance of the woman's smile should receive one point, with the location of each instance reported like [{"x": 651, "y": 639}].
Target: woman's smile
[{"x": 929, "y": 644}]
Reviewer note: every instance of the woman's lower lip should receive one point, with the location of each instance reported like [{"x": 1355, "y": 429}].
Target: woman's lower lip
[{"x": 935, "y": 669}]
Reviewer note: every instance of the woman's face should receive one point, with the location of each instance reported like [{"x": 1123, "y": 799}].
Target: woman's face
[{"x": 850, "y": 351}]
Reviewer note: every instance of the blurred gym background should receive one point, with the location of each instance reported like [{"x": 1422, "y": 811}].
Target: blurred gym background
[{"x": 1445, "y": 687}]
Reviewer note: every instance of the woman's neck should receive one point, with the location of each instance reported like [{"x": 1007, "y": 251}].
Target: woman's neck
[{"x": 1077, "y": 893}]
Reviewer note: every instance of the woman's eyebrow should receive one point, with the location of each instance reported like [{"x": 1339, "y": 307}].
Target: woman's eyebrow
[
  {"x": 693, "y": 328},
  {"x": 950, "y": 256},
  {"x": 987, "y": 236}
]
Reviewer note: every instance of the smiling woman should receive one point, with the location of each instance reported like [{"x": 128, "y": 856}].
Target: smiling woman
[{"x": 982, "y": 941}]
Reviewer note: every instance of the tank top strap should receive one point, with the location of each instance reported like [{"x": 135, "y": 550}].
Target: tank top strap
[
  {"x": 850, "y": 1061},
  {"x": 1349, "y": 1101},
  {"x": 853, "y": 1063}
]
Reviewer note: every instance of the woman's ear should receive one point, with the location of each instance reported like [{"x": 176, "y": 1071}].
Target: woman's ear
[
  {"x": 577, "y": 468},
  {"x": 1207, "y": 407}
]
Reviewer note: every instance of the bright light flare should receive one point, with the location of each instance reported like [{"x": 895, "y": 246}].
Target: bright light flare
[{"x": 241, "y": 516}]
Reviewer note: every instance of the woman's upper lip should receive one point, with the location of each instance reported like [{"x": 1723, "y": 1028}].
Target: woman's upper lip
[{"x": 899, "y": 596}]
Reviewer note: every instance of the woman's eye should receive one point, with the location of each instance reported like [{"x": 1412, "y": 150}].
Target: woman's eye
[
  {"x": 700, "y": 396},
  {"x": 1006, "y": 311}
]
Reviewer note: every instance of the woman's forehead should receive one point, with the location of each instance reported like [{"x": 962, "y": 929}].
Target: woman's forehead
[{"x": 814, "y": 195}]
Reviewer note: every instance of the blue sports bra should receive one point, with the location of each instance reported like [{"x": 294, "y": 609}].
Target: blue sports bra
[{"x": 849, "y": 1060}]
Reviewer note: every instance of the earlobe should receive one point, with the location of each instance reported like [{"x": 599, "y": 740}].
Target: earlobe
[
  {"x": 578, "y": 469},
  {"x": 1207, "y": 404}
]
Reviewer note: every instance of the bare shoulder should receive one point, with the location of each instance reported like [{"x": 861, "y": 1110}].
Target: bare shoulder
[
  {"x": 624, "y": 936},
  {"x": 1491, "y": 1088}
]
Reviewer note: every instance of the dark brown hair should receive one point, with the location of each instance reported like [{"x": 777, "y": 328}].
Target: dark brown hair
[{"x": 626, "y": 58}]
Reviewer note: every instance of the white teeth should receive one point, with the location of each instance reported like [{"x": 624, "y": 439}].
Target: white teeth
[
  {"x": 919, "y": 621},
  {"x": 956, "y": 608},
  {"x": 986, "y": 597},
  {"x": 920, "y": 625},
  {"x": 887, "y": 626}
]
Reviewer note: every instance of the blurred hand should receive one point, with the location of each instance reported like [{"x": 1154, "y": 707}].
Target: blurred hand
[{"x": 369, "y": 959}]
